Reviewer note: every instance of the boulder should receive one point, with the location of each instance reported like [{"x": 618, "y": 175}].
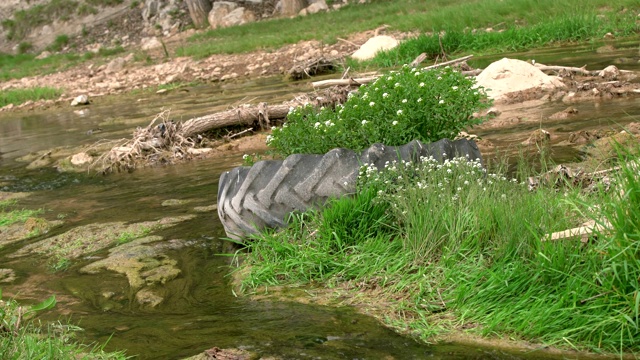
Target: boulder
[
  {"x": 219, "y": 11},
  {"x": 374, "y": 45},
  {"x": 611, "y": 72},
  {"x": 115, "y": 65},
  {"x": 291, "y": 7},
  {"x": 238, "y": 16},
  {"x": 43, "y": 55},
  {"x": 81, "y": 159},
  {"x": 510, "y": 75},
  {"x": 80, "y": 100},
  {"x": 314, "y": 8},
  {"x": 150, "y": 43}
]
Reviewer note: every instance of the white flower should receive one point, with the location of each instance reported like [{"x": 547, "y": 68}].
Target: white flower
[
  {"x": 291, "y": 109},
  {"x": 245, "y": 157},
  {"x": 419, "y": 99},
  {"x": 399, "y": 112},
  {"x": 441, "y": 102},
  {"x": 316, "y": 125},
  {"x": 504, "y": 196},
  {"x": 404, "y": 101},
  {"x": 454, "y": 87},
  {"x": 372, "y": 104},
  {"x": 421, "y": 84},
  {"x": 385, "y": 95},
  {"x": 396, "y": 85},
  {"x": 269, "y": 139},
  {"x": 364, "y": 122},
  {"x": 389, "y": 78},
  {"x": 395, "y": 122},
  {"x": 439, "y": 77}
]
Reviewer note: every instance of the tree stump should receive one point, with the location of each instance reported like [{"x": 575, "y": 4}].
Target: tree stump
[{"x": 199, "y": 12}]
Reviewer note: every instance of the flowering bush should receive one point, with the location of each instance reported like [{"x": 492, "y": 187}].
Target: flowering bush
[{"x": 395, "y": 109}]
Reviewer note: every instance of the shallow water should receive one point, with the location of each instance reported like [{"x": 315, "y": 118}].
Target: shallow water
[{"x": 200, "y": 310}]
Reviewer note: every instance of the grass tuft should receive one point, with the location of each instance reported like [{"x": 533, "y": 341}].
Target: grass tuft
[
  {"x": 453, "y": 247},
  {"x": 19, "y": 96}
]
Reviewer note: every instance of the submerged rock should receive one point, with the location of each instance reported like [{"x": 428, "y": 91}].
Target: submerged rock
[
  {"x": 31, "y": 227},
  {"x": 80, "y": 100},
  {"x": 143, "y": 263},
  {"x": 90, "y": 238},
  {"x": 175, "y": 202}
]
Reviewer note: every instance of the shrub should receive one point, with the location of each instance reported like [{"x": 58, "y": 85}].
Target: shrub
[
  {"x": 59, "y": 43},
  {"x": 397, "y": 108}
]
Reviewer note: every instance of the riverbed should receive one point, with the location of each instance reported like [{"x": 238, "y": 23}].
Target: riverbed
[{"x": 199, "y": 308}]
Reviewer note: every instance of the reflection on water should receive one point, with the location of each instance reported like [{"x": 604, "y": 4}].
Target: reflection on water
[{"x": 199, "y": 310}]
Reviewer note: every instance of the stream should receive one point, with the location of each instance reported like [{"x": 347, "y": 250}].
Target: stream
[{"x": 199, "y": 310}]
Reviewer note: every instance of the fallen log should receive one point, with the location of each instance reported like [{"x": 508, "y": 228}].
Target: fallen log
[
  {"x": 246, "y": 115},
  {"x": 164, "y": 140}
]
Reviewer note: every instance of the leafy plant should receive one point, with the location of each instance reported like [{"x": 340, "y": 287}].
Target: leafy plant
[
  {"x": 395, "y": 109},
  {"x": 21, "y": 338},
  {"x": 24, "y": 47},
  {"x": 59, "y": 43}
]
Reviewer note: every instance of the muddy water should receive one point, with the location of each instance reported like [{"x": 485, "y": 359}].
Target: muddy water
[{"x": 199, "y": 310}]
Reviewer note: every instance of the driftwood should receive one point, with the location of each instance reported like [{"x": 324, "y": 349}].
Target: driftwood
[
  {"x": 245, "y": 115},
  {"x": 313, "y": 67},
  {"x": 165, "y": 141},
  {"x": 579, "y": 70},
  {"x": 366, "y": 80},
  {"x": 583, "y": 232}
]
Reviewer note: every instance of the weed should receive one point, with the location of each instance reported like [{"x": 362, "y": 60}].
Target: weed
[
  {"x": 104, "y": 52},
  {"x": 24, "y": 338},
  {"x": 450, "y": 237},
  {"x": 16, "y": 216},
  {"x": 59, "y": 263},
  {"x": 24, "y": 47},
  {"x": 59, "y": 43},
  {"x": 19, "y": 96},
  {"x": 393, "y": 110},
  {"x": 85, "y": 9},
  {"x": 250, "y": 159}
]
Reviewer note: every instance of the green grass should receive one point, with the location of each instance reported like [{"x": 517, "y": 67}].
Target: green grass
[
  {"x": 22, "y": 338},
  {"x": 526, "y": 24},
  {"x": 564, "y": 28},
  {"x": 451, "y": 247},
  {"x": 24, "y": 65},
  {"x": 9, "y": 217},
  {"x": 19, "y": 96},
  {"x": 414, "y": 15}
]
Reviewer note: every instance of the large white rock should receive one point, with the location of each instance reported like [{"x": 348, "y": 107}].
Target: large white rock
[
  {"x": 510, "y": 75},
  {"x": 219, "y": 10},
  {"x": 374, "y": 45},
  {"x": 314, "y": 8},
  {"x": 150, "y": 43},
  {"x": 238, "y": 16}
]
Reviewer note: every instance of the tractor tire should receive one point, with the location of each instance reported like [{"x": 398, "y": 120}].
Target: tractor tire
[{"x": 251, "y": 199}]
